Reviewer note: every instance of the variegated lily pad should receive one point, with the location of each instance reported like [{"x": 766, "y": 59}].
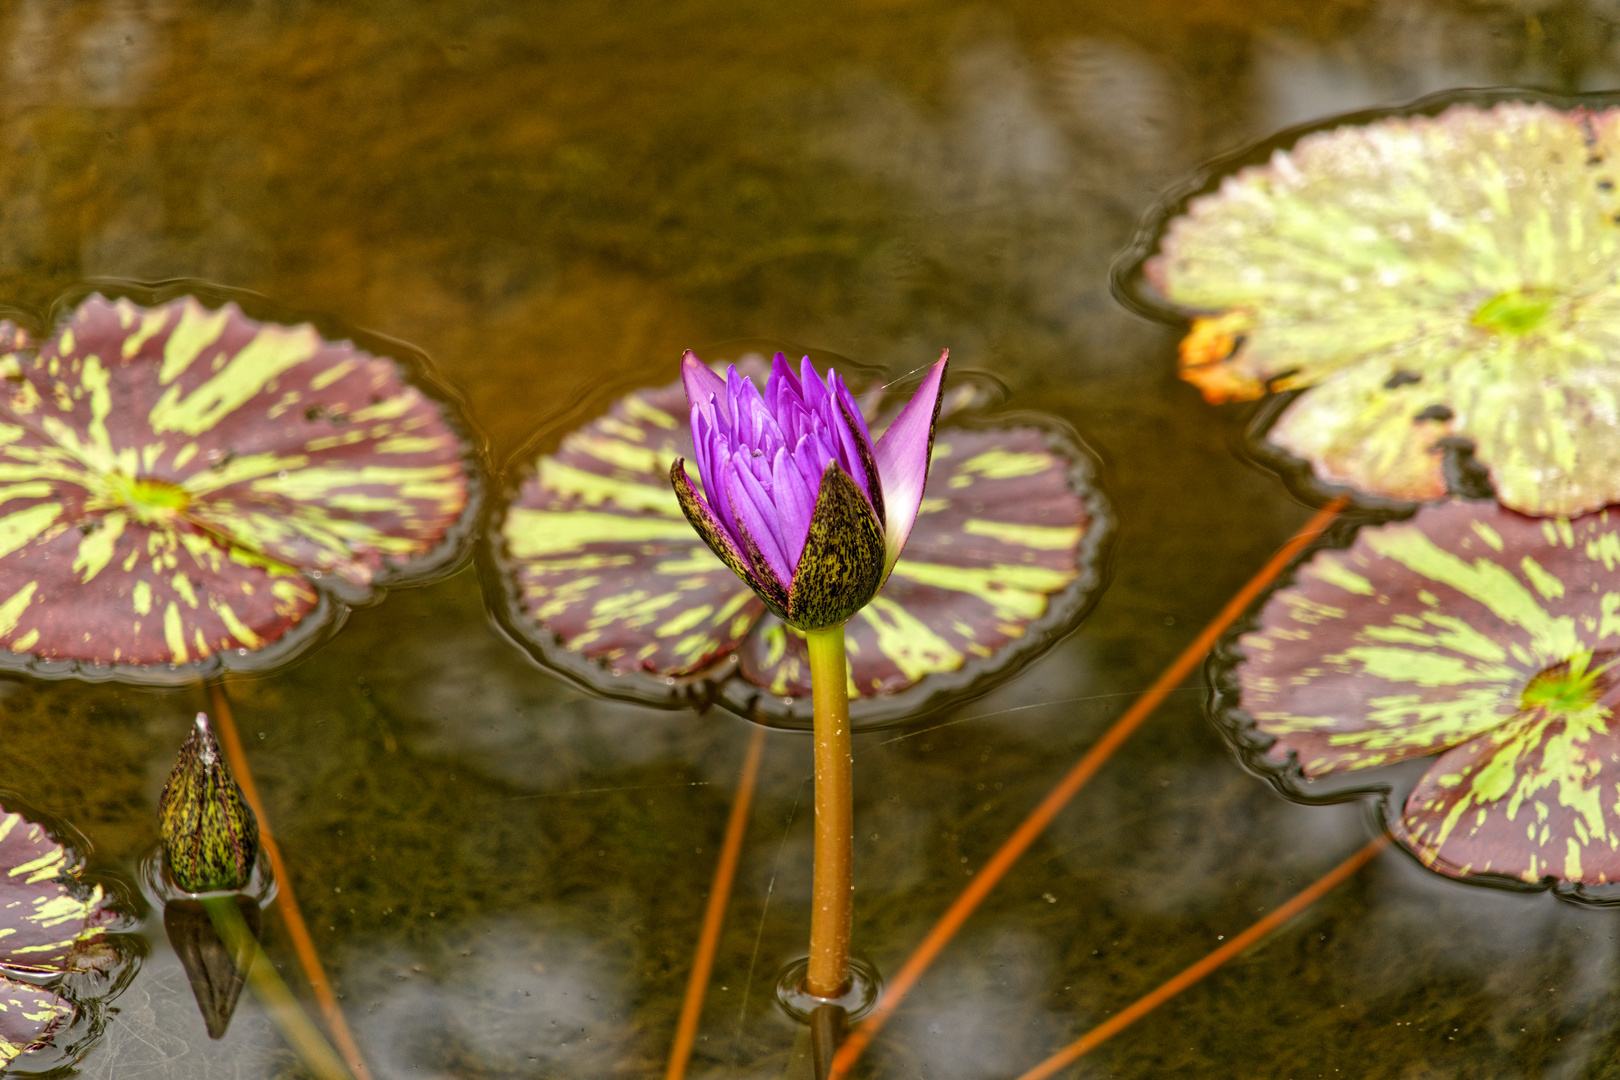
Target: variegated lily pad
[
  {"x": 1471, "y": 632},
  {"x": 50, "y": 924},
  {"x": 1431, "y": 283},
  {"x": 178, "y": 485},
  {"x": 601, "y": 575}
]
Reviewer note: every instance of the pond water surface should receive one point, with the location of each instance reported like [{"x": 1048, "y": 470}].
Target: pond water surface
[{"x": 506, "y": 876}]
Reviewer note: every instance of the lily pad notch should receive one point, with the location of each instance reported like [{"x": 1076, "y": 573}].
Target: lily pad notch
[
  {"x": 1484, "y": 639},
  {"x": 185, "y": 489},
  {"x": 1431, "y": 290},
  {"x": 592, "y": 568}
]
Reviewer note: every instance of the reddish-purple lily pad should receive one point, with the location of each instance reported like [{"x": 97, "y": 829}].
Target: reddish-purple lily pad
[
  {"x": 1471, "y": 632},
  {"x": 50, "y": 924},
  {"x": 48, "y": 921},
  {"x": 175, "y": 481},
  {"x": 605, "y": 579}
]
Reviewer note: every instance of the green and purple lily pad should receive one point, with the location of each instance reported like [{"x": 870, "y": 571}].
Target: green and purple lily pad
[
  {"x": 601, "y": 575},
  {"x": 1473, "y": 633},
  {"x": 1430, "y": 284},
  {"x": 184, "y": 488}
]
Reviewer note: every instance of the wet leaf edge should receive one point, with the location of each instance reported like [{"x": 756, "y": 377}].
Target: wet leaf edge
[
  {"x": 72, "y": 1040},
  {"x": 1383, "y": 789},
  {"x": 336, "y": 596},
  {"x": 722, "y": 684}
]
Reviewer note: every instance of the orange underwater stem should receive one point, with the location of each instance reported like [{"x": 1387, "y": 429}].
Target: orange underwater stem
[
  {"x": 714, "y": 914},
  {"x": 297, "y": 930},
  {"x": 1032, "y": 827},
  {"x": 1141, "y": 1007}
]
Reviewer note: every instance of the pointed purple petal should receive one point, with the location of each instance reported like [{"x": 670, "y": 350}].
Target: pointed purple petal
[
  {"x": 863, "y": 467},
  {"x": 816, "y": 401},
  {"x": 702, "y": 384},
  {"x": 754, "y": 530},
  {"x": 903, "y": 454},
  {"x": 795, "y": 505},
  {"x": 782, "y": 389},
  {"x": 852, "y": 409},
  {"x": 703, "y": 444}
]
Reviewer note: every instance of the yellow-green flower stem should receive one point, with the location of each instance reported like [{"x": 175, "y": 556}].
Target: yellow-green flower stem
[
  {"x": 288, "y": 1016},
  {"x": 833, "y": 891}
]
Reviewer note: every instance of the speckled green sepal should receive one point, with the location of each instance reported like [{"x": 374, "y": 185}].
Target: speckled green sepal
[
  {"x": 842, "y": 564},
  {"x": 210, "y": 837}
]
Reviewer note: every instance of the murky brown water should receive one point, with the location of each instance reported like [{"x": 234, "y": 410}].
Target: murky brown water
[{"x": 506, "y": 877}]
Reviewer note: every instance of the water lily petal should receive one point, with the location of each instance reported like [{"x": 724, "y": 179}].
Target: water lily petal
[
  {"x": 903, "y": 454},
  {"x": 795, "y": 505},
  {"x": 701, "y": 382},
  {"x": 860, "y": 459},
  {"x": 755, "y": 528},
  {"x": 784, "y": 387}
]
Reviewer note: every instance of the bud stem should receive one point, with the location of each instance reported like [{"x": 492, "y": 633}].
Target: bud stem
[
  {"x": 834, "y": 886},
  {"x": 288, "y": 1016}
]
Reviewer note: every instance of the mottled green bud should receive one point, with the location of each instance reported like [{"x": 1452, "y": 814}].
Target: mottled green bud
[{"x": 210, "y": 837}]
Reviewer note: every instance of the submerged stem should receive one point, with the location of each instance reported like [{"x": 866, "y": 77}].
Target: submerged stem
[
  {"x": 289, "y": 1017},
  {"x": 834, "y": 886}
]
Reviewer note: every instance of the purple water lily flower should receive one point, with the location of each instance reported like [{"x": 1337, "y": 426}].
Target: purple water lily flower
[{"x": 796, "y": 499}]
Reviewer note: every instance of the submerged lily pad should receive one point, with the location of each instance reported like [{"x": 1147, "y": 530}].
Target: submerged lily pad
[
  {"x": 602, "y": 577},
  {"x": 1430, "y": 283},
  {"x": 174, "y": 481},
  {"x": 50, "y": 924},
  {"x": 1472, "y": 632}
]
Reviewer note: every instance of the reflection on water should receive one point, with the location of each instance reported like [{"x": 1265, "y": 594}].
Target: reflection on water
[
  {"x": 505, "y": 877},
  {"x": 157, "y": 1035},
  {"x": 511, "y": 996}
]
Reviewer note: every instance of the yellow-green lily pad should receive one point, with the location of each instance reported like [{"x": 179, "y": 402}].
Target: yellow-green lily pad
[{"x": 1429, "y": 283}]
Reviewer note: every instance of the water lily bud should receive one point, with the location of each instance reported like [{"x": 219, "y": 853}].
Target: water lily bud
[
  {"x": 797, "y": 499},
  {"x": 210, "y": 837}
]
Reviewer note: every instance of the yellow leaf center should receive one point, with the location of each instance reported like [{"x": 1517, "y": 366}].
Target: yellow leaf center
[
  {"x": 1516, "y": 312},
  {"x": 1570, "y": 686},
  {"x": 147, "y": 500}
]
